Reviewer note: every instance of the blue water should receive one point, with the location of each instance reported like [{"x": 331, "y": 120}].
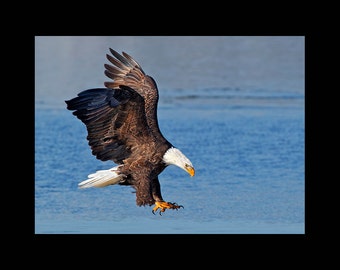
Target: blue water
[{"x": 246, "y": 140}]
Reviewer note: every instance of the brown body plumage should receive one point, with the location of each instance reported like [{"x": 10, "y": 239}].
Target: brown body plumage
[{"x": 122, "y": 126}]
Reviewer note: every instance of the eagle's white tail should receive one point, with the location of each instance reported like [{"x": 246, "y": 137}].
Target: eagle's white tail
[{"x": 102, "y": 178}]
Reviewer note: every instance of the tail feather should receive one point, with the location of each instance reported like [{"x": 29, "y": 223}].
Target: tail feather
[{"x": 102, "y": 178}]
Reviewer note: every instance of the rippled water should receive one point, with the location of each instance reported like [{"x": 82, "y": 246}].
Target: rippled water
[{"x": 243, "y": 132}]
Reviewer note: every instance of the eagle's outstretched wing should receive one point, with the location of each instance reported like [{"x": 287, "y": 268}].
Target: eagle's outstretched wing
[
  {"x": 126, "y": 71},
  {"x": 114, "y": 118}
]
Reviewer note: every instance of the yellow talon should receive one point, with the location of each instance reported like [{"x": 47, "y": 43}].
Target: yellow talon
[{"x": 162, "y": 205}]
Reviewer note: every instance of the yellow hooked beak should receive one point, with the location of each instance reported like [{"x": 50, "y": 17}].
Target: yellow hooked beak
[{"x": 190, "y": 170}]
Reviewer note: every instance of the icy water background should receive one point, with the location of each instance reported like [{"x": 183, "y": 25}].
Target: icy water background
[{"x": 234, "y": 105}]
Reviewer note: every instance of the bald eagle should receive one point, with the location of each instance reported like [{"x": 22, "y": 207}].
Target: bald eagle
[{"x": 122, "y": 126}]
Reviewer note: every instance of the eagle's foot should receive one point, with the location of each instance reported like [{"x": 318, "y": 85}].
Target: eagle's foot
[{"x": 162, "y": 205}]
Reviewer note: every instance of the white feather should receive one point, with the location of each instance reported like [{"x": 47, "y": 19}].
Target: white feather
[{"x": 102, "y": 178}]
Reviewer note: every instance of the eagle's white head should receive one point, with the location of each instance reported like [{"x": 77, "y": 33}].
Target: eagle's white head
[{"x": 174, "y": 156}]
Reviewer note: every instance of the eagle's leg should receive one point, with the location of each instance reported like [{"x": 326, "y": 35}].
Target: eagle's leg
[
  {"x": 159, "y": 202},
  {"x": 162, "y": 205}
]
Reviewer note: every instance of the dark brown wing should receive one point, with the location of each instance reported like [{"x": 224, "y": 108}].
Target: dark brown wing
[
  {"x": 126, "y": 71},
  {"x": 114, "y": 118}
]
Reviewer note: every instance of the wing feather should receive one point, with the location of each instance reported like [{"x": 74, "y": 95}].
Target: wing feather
[
  {"x": 115, "y": 62},
  {"x": 130, "y": 59},
  {"x": 126, "y": 71},
  {"x": 114, "y": 118},
  {"x": 122, "y": 59}
]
